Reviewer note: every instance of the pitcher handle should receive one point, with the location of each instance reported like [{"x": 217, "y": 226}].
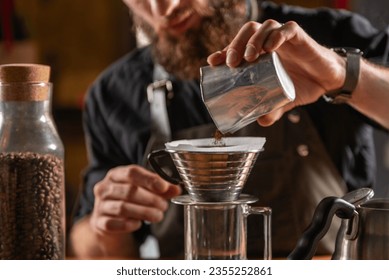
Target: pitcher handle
[
  {"x": 152, "y": 158},
  {"x": 266, "y": 213},
  {"x": 322, "y": 218}
]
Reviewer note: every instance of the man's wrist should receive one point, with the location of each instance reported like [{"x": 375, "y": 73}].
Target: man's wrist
[{"x": 343, "y": 94}]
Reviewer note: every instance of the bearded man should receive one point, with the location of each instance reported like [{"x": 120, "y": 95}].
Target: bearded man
[{"x": 314, "y": 151}]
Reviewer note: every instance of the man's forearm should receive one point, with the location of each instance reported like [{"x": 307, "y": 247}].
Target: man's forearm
[{"x": 371, "y": 96}]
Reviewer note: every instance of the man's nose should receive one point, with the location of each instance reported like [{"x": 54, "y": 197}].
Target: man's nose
[{"x": 164, "y": 7}]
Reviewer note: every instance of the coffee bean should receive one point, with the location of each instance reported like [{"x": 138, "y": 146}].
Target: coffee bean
[
  {"x": 218, "y": 138},
  {"x": 31, "y": 206}
]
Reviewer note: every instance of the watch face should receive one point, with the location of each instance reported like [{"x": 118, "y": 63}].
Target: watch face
[{"x": 343, "y": 51}]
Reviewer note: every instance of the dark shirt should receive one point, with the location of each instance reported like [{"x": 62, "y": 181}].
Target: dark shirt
[{"x": 117, "y": 112}]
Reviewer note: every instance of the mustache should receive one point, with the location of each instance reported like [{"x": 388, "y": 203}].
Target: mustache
[
  {"x": 203, "y": 11},
  {"x": 183, "y": 56}
]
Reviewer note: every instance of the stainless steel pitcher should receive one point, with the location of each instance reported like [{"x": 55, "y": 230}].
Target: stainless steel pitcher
[
  {"x": 237, "y": 96},
  {"x": 366, "y": 235},
  {"x": 364, "y": 232}
]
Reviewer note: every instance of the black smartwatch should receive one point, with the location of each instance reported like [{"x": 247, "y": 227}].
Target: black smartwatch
[{"x": 353, "y": 60}]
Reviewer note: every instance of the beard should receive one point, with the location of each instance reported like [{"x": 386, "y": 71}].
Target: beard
[{"x": 184, "y": 55}]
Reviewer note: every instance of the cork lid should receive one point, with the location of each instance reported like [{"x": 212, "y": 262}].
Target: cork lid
[
  {"x": 15, "y": 73},
  {"x": 24, "y": 82}
]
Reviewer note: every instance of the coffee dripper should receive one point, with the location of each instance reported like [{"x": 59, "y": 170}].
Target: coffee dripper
[{"x": 214, "y": 173}]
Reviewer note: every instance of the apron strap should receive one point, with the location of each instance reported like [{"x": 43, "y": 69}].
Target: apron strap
[
  {"x": 252, "y": 11},
  {"x": 156, "y": 95},
  {"x": 157, "y": 92}
]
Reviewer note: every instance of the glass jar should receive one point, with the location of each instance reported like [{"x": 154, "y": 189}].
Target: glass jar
[{"x": 32, "y": 204}]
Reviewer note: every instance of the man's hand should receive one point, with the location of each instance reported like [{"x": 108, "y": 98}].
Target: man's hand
[
  {"x": 313, "y": 68},
  {"x": 127, "y": 196}
]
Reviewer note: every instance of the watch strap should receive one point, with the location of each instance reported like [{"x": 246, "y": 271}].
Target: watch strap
[{"x": 353, "y": 58}]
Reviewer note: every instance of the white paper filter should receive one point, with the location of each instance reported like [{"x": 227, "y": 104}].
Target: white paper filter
[{"x": 225, "y": 144}]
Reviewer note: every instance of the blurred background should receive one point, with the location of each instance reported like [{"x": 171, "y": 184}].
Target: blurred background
[{"x": 78, "y": 39}]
